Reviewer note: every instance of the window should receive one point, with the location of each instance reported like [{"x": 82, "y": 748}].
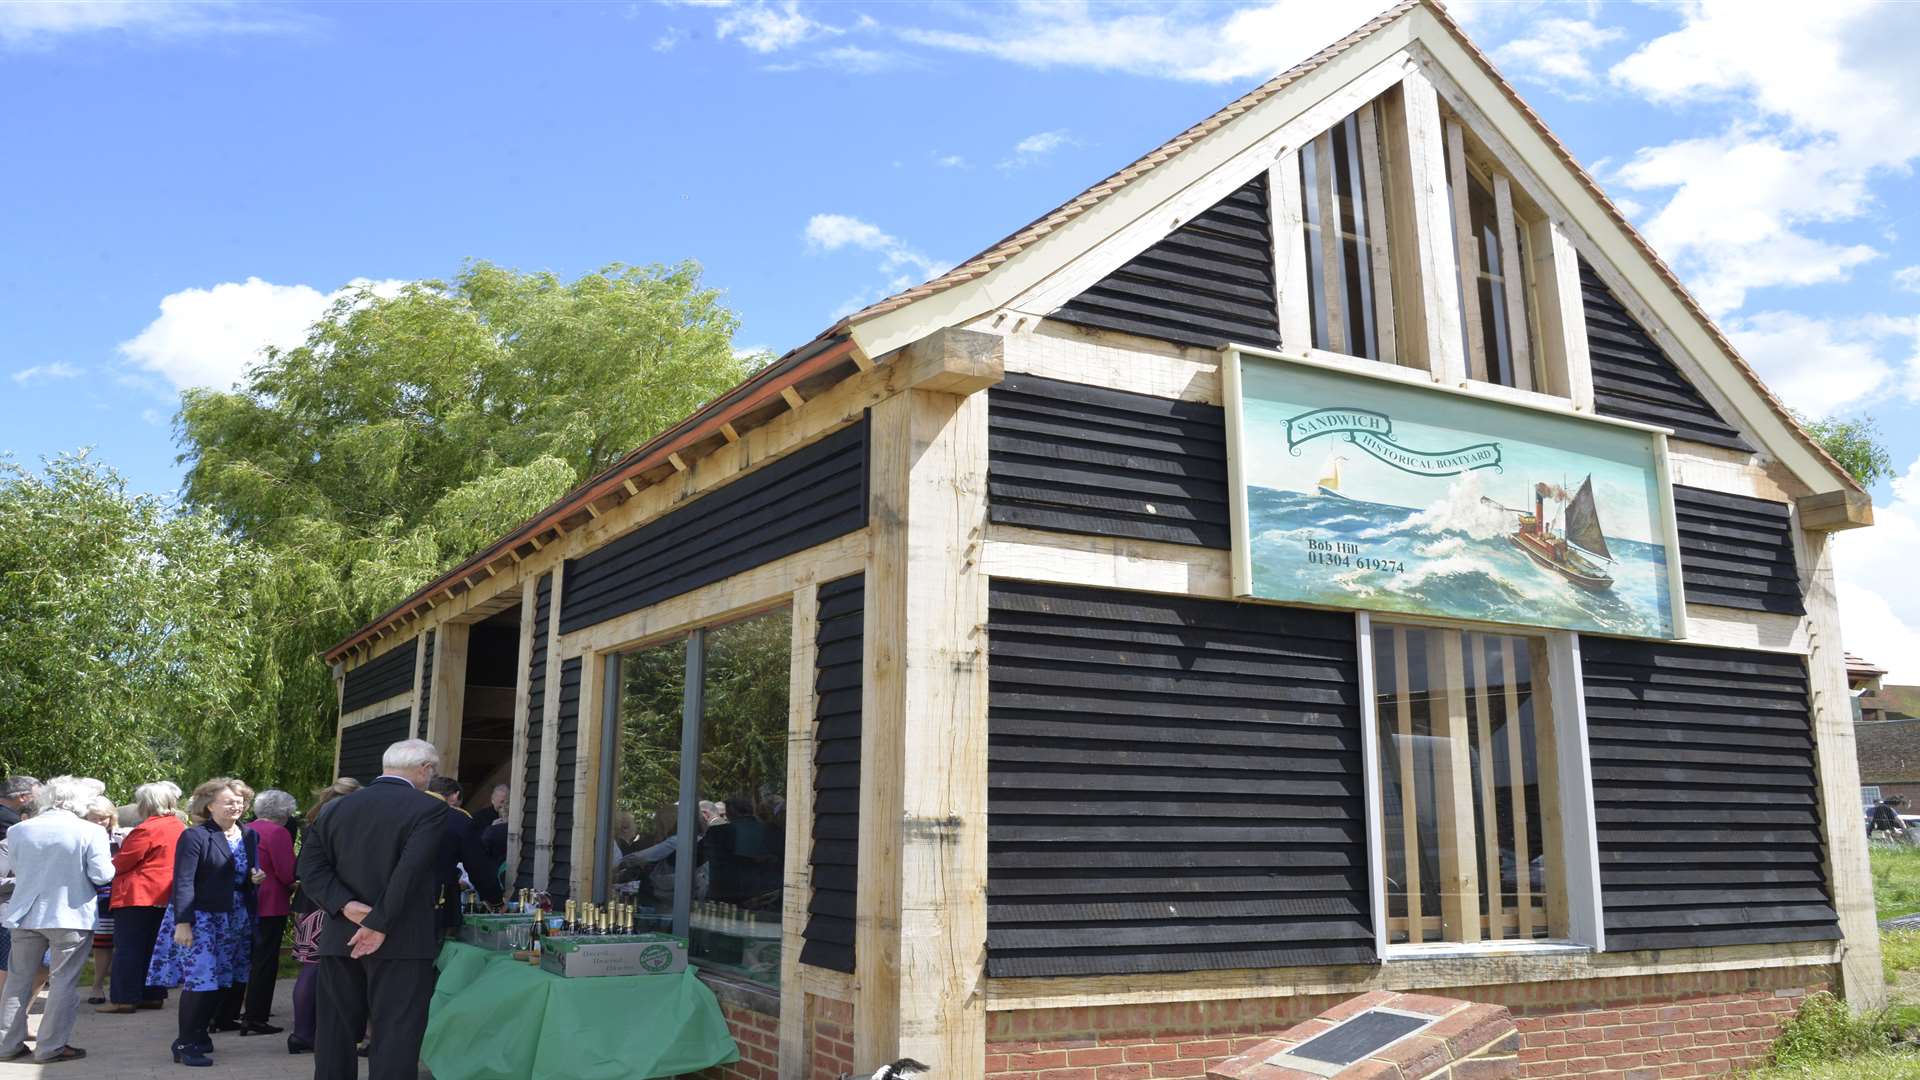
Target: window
[
  {"x": 1343, "y": 208},
  {"x": 1469, "y": 807},
  {"x": 728, "y": 808},
  {"x": 1496, "y": 307}
]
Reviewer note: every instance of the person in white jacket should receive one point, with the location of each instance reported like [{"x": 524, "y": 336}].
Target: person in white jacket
[{"x": 58, "y": 862}]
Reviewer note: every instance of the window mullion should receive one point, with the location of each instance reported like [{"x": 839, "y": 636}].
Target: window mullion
[
  {"x": 687, "y": 830},
  {"x": 1467, "y": 251},
  {"x": 1517, "y": 767},
  {"x": 1377, "y": 239},
  {"x": 1409, "y": 819},
  {"x": 1332, "y": 277},
  {"x": 1514, "y": 279},
  {"x": 1489, "y": 784},
  {"x": 1453, "y": 790}
]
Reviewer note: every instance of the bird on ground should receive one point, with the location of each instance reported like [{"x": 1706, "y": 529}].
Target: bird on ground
[{"x": 904, "y": 1069}]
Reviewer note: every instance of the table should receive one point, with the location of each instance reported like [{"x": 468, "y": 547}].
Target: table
[{"x": 497, "y": 1018}]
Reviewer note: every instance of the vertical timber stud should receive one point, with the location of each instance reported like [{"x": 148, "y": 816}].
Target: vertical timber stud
[
  {"x": 543, "y": 839},
  {"x": 921, "y": 927},
  {"x": 422, "y": 678},
  {"x": 586, "y": 780},
  {"x": 1423, "y": 161},
  {"x": 339, "y": 711},
  {"x": 449, "y": 693},
  {"x": 522, "y": 691},
  {"x": 1834, "y": 754},
  {"x": 797, "y": 888}
]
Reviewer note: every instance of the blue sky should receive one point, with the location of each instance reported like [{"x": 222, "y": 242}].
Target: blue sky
[{"x": 187, "y": 181}]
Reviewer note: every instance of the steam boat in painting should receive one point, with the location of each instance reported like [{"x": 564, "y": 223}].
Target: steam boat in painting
[{"x": 1566, "y": 553}]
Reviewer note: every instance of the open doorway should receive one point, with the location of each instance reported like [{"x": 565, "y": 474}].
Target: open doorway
[{"x": 486, "y": 714}]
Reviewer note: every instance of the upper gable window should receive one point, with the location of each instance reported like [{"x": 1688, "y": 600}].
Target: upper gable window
[
  {"x": 1343, "y": 208},
  {"x": 1496, "y": 275}
]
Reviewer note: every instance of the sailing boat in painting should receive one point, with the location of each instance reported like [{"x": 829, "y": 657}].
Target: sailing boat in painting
[
  {"x": 1568, "y": 552},
  {"x": 1330, "y": 477}
]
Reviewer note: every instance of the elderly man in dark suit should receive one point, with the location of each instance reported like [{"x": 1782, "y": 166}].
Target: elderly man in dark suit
[{"x": 371, "y": 863}]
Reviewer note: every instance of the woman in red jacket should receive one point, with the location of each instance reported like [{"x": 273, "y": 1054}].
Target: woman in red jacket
[{"x": 142, "y": 887}]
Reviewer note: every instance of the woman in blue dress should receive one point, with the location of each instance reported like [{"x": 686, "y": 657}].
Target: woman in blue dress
[{"x": 207, "y": 932}]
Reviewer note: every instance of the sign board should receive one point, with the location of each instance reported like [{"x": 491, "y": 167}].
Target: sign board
[{"x": 1367, "y": 491}]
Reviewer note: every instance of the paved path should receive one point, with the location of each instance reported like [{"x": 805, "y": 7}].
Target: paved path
[{"x": 134, "y": 1047}]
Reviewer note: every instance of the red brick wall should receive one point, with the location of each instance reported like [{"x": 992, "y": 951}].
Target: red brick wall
[
  {"x": 1632, "y": 1028},
  {"x": 831, "y": 1037},
  {"x": 757, "y": 1034}
]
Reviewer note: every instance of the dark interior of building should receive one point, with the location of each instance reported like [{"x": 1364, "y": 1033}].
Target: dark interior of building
[{"x": 486, "y": 720}]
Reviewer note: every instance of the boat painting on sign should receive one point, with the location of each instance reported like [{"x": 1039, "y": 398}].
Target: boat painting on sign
[{"x": 1365, "y": 492}]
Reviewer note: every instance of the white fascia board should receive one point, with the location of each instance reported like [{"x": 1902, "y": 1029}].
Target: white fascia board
[
  {"x": 1756, "y": 415},
  {"x": 1140, "y": 198}
]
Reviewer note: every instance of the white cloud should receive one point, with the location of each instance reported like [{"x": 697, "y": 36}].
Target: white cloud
[
  {"x": 1878, "y": 622},
  {"x": 1907, "y": 279},
  {"x": 1823, "y": 96},
  {"x": 1815, "y": 365},
  {"x": 1197, "y": 43},
  {"x": 59, "y": 369},
  {"x": 210, "y": 337},
  {"x": 770, "y": 27},
  {"x": 903, "y": 266},
  {"x": 669, "y": 40},
  {"x": 1556, "y": 51},
  {"x": 37, "y": 23},
  {"x": 950, "y": 161},
  {"x": 1036, "y": 146}
]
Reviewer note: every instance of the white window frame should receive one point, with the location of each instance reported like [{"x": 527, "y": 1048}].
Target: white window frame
[{"x": 1586, "y": 929}]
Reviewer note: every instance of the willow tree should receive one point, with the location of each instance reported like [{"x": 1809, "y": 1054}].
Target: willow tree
[{"x": 409, "y": 430}]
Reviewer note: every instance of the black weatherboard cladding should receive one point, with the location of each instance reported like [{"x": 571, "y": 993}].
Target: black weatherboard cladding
[
  {"x": 560, "y": 880},
  {"x": 536, "y": 708},
  {"x": 363, "y": 744},
  {"x": 1075, "y": 458},
  {"x": 1737, "y": 551},
  {"x": 387, "y": 675},
  {"x": 836, "y": 776},
  {"x": 1173, "y": 785},
  {"x": 426, "y": 690},
  {"x": 808, "y": 497},
  {"x": 1634, "y": 380},
  {"x": 1705, "y": 796},
  {"x": 1207, "y": 283}
]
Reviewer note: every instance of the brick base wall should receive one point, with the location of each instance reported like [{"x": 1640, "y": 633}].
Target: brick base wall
[
  {"x": 757, "y": 1035},
  {"x": 830, "y": 1037},
  {"x": 1647, "y": 1027}
]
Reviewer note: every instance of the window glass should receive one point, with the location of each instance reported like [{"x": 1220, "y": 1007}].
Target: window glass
[
  {"x": 646, "y": 791},
  {"x": 1348, "y": 287},
  {"x": 1462, "y": 783},
  {"x": 1504, "y": 346},
  {"x": 742, "y": 790}
]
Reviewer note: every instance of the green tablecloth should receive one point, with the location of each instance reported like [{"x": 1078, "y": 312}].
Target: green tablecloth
[{"x": 497, "y": 1018}]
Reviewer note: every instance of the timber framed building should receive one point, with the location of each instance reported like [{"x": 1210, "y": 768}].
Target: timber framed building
[{"x": 1029, "y": 708}]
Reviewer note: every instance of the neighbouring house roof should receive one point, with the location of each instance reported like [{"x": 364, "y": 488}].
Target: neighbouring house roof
[
  {"x": 1889, "y": 750},
  {"x": 1858, "y": 668},
  {"x": 833, "y": 349}
]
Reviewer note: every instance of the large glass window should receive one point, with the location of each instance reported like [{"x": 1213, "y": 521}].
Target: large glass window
[
  {"x": 1343, "y": 206},
  {"x": 1496, "y": 297},
  {"x": 1468, "y": 791},
  {"x": 728, "y": 810}
]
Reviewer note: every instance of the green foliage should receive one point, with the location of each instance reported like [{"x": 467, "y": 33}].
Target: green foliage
[
  {"x": 1854, "y": 443},
  {"x": 1899, "y": 952},
  {"x": 1826, "y": 1029},
  {"x": 409, "y": 431},
  {"x": 1896, "y": 879},
  {"x": 124, "y": 637}
]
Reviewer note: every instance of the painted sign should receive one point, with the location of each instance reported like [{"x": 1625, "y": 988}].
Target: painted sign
[{"x": 1366, "y": 492}]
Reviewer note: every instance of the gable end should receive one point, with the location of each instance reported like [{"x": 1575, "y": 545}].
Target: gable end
[{"x": 1634, "y": 379}]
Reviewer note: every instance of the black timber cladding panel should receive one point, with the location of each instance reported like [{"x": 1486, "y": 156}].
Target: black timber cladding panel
[
  {"x": 1634, "y": 380},
  {"x": 566, "y": 755},
  {"x": 1737, "y": 551},
  {"x": 387, "y": 675},
  {"x": 808, "y": 497},
  {"x": 1207, "y": 283},
  {"x": 536, "y": 708},
  {"x": 1084, "y": 459},
  {"x": 836, "y": 776},
  {"x": 363, "y": 744},
  {"x": 1705, "y": 796},
  {"x": 426, "y": 690},
  {"x": 1173, "y": 785}
]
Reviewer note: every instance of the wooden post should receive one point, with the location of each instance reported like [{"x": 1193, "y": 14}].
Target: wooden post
[
  {"x": 522, "y": 691},
  {"x": 586, "y": 778},
  {"x": 339, "y": 713},
  {"x": 1290, "y": 254},
  {"x": 1565, "y": 363},
  {"x": 920, "y": 929},
  {"x": 798, "y": 885},
  {"x": 1413, "y": 139},
  {"x": 1468, "y": 253},
  {"x": 1861, "y": 980},
  {"x": 449, "y": 693},
  {"x": 1453, "y": 787},
  {"x": 549, "y": 742}
]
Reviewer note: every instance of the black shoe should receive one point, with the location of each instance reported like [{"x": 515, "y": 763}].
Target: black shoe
[
  {"x": 96, "y": 1001},
  {"x": 67, "y": 1053},
  {"x": 253, "y": 1027},
  {"x": 295, "y": 1046},
  {"x": 191, "y": 1054},
  {"x": 19, "y": 1052},
  {"x": 224, "y": 1025},
  {"x": 161, "y": 1004}
]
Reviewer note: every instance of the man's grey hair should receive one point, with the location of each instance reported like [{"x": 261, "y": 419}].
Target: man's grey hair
[
  {"x": 274, "y": 805},
  {"x": 19, "y": 787},
  {"x": 409, "y": 754},
  {"x": 69, "y": 793},
  {"x": 159, "y": 797}
]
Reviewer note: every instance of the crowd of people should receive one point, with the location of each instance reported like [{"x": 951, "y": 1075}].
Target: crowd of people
[{"x": 167, "y": 897}]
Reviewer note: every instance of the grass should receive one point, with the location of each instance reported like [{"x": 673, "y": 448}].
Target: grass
[{"x": 1896, "y": 879}]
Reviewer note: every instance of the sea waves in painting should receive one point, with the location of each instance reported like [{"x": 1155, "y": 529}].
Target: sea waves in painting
[{"x": 1453, "y": 558}]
